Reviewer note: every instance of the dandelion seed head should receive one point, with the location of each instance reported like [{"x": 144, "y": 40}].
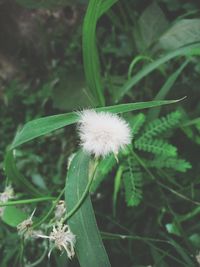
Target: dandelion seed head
[{"x": 103, "y": 133}]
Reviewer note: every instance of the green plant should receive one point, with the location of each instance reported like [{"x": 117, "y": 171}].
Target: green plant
[{"x": 149, "y": 219}]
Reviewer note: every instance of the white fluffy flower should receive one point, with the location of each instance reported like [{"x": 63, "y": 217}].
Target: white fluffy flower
[{"x": 102, "y": 133}]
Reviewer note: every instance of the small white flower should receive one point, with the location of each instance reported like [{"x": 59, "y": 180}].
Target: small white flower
[
  {"x": 25, "y": 228},
  {"x": 63, "y": 238},
  {"x": 60, "y": 209},
  {"x": 102, "y": 133}
]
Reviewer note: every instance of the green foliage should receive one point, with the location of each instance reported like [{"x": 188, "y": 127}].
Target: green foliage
[
  {"x": 130, "y": 52},
  {"x": 180, "y": 165},
  {"x": 42, "y": 126},
  {"x": 183, "y": 32},
  {"x": 95, "y": 9},
  {"x": 157, "y": 146},
  {"x": 148, "y": 139},
  {"x": 158, "y": 126},
  {"x": 136, "y": 122},
  {"x": 151, "y": 24},
  {"x": 190, "y": 50},
  {"x": 104, "y": 167},
  {"x": 132, "y": 178},
  {"x": 89, "y": 247},
  {"x": 12, "y": 216}
]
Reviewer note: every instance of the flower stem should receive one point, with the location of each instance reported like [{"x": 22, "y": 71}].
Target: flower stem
[
  {"x": 26, "y": 201},
  {"x": 50, "y": 211}
]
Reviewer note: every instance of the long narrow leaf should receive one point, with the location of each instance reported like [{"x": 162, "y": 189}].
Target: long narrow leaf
[
  {"x": 95, "y": 10},
  {"x": 89, "y": 245},
  {"x": 42, "y": 126}
]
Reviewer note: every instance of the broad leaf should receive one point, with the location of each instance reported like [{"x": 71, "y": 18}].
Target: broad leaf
[
  {"x": 184, "y": 32},
  {"x": 13, "y": 216},
  {"x": 152, "y": 23}
]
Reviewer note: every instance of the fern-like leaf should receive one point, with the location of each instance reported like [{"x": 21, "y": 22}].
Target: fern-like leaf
[
  {"x": 180, "y": 165},
  {"x": 157, "y": 147},
  {"x": 161, "y": 125},
  {"x": 136, "y": 123},
  {"x": 133, "y": 184}
]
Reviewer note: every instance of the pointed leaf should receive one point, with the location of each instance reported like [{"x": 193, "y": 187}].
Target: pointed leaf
[{"x": 89, "y": 246}]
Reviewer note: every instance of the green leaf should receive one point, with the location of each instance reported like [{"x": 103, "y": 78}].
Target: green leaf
[
  {"x": 180, "y": 165},
  {"x": 151, "y": 24},
  {"x": 14, "y": 176},
  {"x": 13, "y": 216},
  {"x": 106, "y": 5},
  {"x": 172, "y": 228},
  {"x": 71, "y": 92},
  {"x": 117, "y": 185},
  {"x": 184, "y": 32},
  {"x": 160, "y": 125},
  {"x": 42, "y": 126},
  {"x": 157, "y": 147},
  {"x": 89, "y": 247},
  {"x": 95, "y": 9},
  {"x": 132, "y": 178},
  {"x": 190, "y": 50},
  {"x": 136, "y": 122},
  {"x": 195, "y": 240}
]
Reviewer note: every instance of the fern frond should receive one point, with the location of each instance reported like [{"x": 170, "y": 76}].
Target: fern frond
[
  {"x": 161, "y": 125},
  {"x": 132, "y": 179},
  {"x": 136, "y": 123},
  {"x": 180, "y": 165},
  {"x": 157, "y": 147}
]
